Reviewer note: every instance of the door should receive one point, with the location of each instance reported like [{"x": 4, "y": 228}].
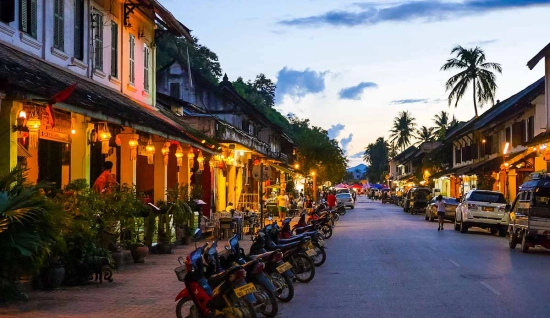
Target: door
[{"x": 50, "y": 161}]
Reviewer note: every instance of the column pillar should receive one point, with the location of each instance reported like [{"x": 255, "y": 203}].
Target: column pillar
[
  {"x": 159, "y": 183},
  {"x": 80, "y": 150},
  {"x": 127, "y": 166},
  {"x": 8, "y": 138},
  {"x": 221, "y": 190},
  {"x": 512, "y": 184},
  {"x": 184, "y": 174},
  {"x": 231, "y": 177}
]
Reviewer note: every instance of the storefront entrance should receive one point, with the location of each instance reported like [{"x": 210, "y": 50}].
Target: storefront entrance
[{"x": 54, "y": 160}]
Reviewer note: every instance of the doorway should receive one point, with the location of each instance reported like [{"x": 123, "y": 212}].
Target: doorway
[{"x": 53, "y": 162}]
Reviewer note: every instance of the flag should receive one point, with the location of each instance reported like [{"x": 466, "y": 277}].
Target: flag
[
  {"x": 189, "y": 69},
  {"x": 58, "y": 98}
]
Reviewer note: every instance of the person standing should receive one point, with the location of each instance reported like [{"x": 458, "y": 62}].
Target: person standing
[
  {"x": 282, "y": 205},
  {"x": 105, "y": 181},
  {"x": 331, "y": 200},
  {"x": 440, "y": 204}
]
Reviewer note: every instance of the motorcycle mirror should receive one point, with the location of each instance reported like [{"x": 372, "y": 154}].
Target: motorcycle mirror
[
  {"x": 180, "y": 260},
  {"x": 197, "y": 235}
]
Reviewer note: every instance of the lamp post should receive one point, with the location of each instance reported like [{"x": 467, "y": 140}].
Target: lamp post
[
  {"x": 314, "y": 186},
  {"x": 505, "y": 166}
]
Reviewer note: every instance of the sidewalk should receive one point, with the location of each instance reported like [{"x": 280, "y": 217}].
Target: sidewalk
[{"x": 137, "y": 290}]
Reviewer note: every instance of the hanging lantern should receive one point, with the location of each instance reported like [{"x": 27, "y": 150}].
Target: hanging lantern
[
  {"x": 165, "y": 151},
  {"x": 179, "y": 155},
  {"x": 150, "y": 148},
  {"x": 33, "y": 124},
  {"x": 133, "y": 143},
  {"x": 200, "y": 160},
  {"x": 104, "y": 135},
  {"x": 191, "y": 157}
]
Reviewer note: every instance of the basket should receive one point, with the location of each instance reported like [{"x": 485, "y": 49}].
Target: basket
[{"x": 180, "y": 272}]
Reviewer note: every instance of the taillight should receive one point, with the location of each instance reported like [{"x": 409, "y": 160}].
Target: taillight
[
  {"x": 258, "y": 268},
  {"x": 501, "y": 208},
  {"x": 277, "y": 257},
  {"x": 238, "y": 275},
  {"x": 472, "y": 206}
]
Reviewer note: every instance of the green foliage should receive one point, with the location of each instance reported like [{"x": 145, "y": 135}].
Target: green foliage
[
  {"x": 485, "y": 182},
  {"x": 260, "y": 92},
  {"x": 376, "y": 157},
  {"x": 473, "y": 70},
  {"x": 403, "y": 129},
  {"x": 425, "y": 134}
]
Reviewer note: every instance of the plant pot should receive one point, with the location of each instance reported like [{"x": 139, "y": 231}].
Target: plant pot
[
  {"x": 53, "y": 276},
  {"x": 117, "y": 257},
  {"x": 164, "y": 248},
  {"x": 139, "y": 253},
  {"x": 186, "y": 240}
]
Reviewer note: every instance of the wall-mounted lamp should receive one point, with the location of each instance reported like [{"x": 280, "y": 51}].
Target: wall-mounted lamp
[
  {"x": 104, "y": 135},
  {"x": 93, "y": 137},
  {"x": 33, "y": 124},
  {"x": 21, "y": 119}
]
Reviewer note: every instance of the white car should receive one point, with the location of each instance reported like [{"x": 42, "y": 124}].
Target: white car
[
  {"x": 484, "y": 209},
  {"x": 345, "y": 199}
]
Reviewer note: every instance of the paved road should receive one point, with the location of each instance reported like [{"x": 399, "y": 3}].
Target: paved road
[{"x": 383, "y": 262}]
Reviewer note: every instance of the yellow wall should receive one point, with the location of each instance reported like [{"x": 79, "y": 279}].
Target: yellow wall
[
  {"x": 80, "y": 150},
  {"x": 8, "y": 139}
]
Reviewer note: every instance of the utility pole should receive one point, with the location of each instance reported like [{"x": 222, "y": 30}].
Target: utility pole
[{"x": 261, "y": 194}]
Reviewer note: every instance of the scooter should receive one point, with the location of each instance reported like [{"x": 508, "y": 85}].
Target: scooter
[{"x": 317, "y": 249}]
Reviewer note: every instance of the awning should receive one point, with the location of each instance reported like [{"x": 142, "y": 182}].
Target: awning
[
  {"x": 22, "y": 152},
  {"x": 282, "y": 169},
  {"x": 38, "y": 78}
]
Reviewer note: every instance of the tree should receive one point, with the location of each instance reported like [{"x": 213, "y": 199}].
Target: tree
[
  {"x": 376, "y": 157},
  {"x": 425, "y": 134},
  {"x": 403, "y": 129},
  {"x": 475, "y": 71},
  {"x": 441, "y": 121}
]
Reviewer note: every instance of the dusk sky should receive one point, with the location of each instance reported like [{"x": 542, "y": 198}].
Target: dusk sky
[{"x": 351, "y": 66}]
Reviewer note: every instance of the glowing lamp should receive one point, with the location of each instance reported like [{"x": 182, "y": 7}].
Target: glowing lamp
[
  {"x": 179, "y": 155},
  {"x": 133, "y": 143},
  {"x": 165, "y": 151},
  {"x": 200, "y": 160},
  {"x": 150, "y": 149},
  {"x": 34, "y": 126}
]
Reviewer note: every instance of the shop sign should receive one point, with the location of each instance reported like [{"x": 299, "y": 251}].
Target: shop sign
[{"x": 62, "y": 130}]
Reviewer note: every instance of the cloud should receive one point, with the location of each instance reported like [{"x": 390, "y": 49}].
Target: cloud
[
  {"x": 335, "y": 130},
  {"x": 344, "y": 142},
  {"x": 424, "y": 11},
  {"x": 409, "y": 101},
  {"x": 483, "y": 42},
  {"x": 297, "y": 84},
  {"x": 355, "y": 92},
  {"x": 358, "y": 155}
]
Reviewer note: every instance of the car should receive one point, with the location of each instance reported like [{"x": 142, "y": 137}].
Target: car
[
  {"x": 345, "y": 199},
  {"x": 485, "y": 209},
  {"x": 416, "y": 200},
  {"x": 450, "y": 209},
  {"x": 342, "y": 190}
]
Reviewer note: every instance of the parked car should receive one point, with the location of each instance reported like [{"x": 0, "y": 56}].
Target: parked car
[
  {"x": 416, "y": 200},
  {"x": 342, "y": 190},
  {"x": 345, "y": 199},
  {"x": 484, "y": 209},
  {"x": 450, "y": 209},
  {"x": 530, "y": 214}
]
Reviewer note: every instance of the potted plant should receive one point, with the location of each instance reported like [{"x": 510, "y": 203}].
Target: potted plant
[{"x": 138, "y": 249}]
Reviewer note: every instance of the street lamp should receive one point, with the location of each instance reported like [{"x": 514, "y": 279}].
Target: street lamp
[
  {"x": 314, "y": 185},
  {"x": 505, "y": 166}
]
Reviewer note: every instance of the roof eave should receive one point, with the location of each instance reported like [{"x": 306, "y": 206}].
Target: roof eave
[{"x": 536, "y": 59}]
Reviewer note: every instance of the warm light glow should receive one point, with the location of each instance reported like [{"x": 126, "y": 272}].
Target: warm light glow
[
  {"x": 506, "y": 147},
  {"x": 484, "y": 141},
  {"x": 133, "y": 143},
  {"x": 179, "y": 152},
  {"x": 200, "y": 159},
  {"x": 313, "y": 173},
  {"x": 165, "y": 149},
  {"x": 203, "y": 141},
  {"x": 242, "y": 153},
  {"x": 506, "y": 164},
  {"x": 150, "y": 148},
  {"x": 23, "y": 114},
  {"x": 33, "y": 123},
  {"x": 296, "y": 166},
  {"x": 222, "y": 156},
  {"x": 191, "y": 154}
]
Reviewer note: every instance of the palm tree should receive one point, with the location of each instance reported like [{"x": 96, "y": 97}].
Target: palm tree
[
  {"x": 425, "y": 134},
  {"x": 403, "y": 129},
  {"x": 473, "y": 70},
  {"x": 441, "y": 121}
]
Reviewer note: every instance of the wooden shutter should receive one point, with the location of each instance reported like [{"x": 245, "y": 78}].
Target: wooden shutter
[
  {"x": 531, "y": 128},
  {"x": 132, "y": 57},
  {"x": 175, "y": 90},
  {"x": 516, "y": 134},
  {"x": 34, "y": 23},
  {"x": 114, "y": 49},
  {"x": 59, "y": 25},
  {"x": 146, "y": 68},
  {"x": 474, "y": 151},
  {"x": 466, "y": 153},
  {"x": 523, "y": 131},
  {"x": 458, "y": 156},
  {"x": 24, "y": 16},
  {"x": 78, "y": 29}
]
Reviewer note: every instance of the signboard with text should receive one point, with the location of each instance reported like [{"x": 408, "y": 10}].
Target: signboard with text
[{"x": 62, "y": 130}]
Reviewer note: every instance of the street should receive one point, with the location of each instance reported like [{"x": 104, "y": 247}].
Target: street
[{"x": 381, "y": 262}]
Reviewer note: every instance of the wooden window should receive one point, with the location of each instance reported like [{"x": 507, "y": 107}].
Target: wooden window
[
  {"x": 97, "y": 22},
  {"x": 146, "y": 64},
  {"x": 114, "y": 49},
  {"x": 7, "y": 11},
  {"x": 458, "y": 156},
  {"x": 132, "y": 55},
  {"x": 28, "y": 17},
  {"x": 523, "y": 131},
  {"x": 58, "y": 25},
  {"x": 474, "y": 151},
  {"x": 175, "y": 90},
  {"x": 517, "y": 134},
  {"x": 508, "y": 134},
  {"x": 466, "y": 153},
  {"x": 531, "y": 128},
  {"x": 494, "y": 144},
  {"x": 79, "y": 29}
]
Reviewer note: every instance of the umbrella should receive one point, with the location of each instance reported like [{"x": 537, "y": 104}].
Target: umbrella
[{"x": 341, "y": 185}]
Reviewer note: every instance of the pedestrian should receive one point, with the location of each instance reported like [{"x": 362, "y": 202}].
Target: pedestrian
[
  {"x": 282, "y": 204},
  {"x": 105, "y": 181},
  {"x": 440, "y": 204},
  {"x": 331, "y": 200}
]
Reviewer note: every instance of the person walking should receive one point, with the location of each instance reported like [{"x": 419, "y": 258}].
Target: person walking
[
  {"x": 282, "y": 205},
  {"x": 106, "y": 180},
  {"x": 331, "y": 200},
  {"x": 440, "y": 204}
]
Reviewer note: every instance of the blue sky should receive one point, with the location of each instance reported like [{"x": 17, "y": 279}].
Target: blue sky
[{"x": 351, "y": 66}]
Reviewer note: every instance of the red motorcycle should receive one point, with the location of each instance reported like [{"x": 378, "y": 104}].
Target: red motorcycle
[{"x": 218, "y": 296}]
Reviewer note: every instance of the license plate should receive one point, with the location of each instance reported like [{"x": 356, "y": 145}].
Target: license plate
[
  {"x": 284, "y": 267},
  {"x": 311, "y": 253},
  {"x": 245, "y": 290},
  {"x": 489, "y": 209}
]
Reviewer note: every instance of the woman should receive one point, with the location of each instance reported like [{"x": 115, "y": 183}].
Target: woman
[
  {"x": 308, "y": 204},
  {"x": 440, "y": 204}
]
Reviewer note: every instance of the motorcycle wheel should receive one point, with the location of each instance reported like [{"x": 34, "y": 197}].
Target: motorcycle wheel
[
  {"x": 247, "y": 309},
  {"x": 342, "y": 211},
  {"x": 284, "y": 285},
  {"x": 321, "y": 256},
  {"x": 336, "y": 217},
  {"x": 186, "y": 309},
  {"x": 326, "y": 231},
  {"x": 303, "y": 268},
  {"x": 268, "y": 298}
]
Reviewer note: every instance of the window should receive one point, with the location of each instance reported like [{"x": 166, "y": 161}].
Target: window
[
  {"x": 7, "y": 11},
  {"x": 508, "y": 134},
  {"x": 79, "y": 29},
  {"x": 517, "y": 135},
  {"x": 146, "y": 68},
  {"x": 97, "y": 28},
  {"x": 114, "y": 49},
  {"x": 474, "y": 151},
  {"x": 458, "y": 156},
  {"x": 175, "y": 90},
  {"x": 132, "y": 55},
  {"x": 58, "y": 25},
  {"x": 28, "y": 17},
  {"x": 530, "y": 127}
]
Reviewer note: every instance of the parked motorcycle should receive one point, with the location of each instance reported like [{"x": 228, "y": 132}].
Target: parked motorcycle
[
  {"x": 317, "y": 249},
  {"x": 322, "y": 225}
]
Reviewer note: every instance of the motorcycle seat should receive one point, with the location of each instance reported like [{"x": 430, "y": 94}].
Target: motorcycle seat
[
  {"x": 310, "y": 233},
  {"x": 303, "y": 229},
  {"x": 263, "y": 257},
  {"x": 284, "y": 247},
  {"x": 292, "y": 239},
  {"x": 217, "y": 279},
  {"x": 248, "y": 265}
]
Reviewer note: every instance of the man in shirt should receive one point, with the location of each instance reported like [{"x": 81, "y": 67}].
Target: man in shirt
[
  {"x": 105, "y": 181},
  {"x": 282, "y": 205},
  {"x": 331, "y": 200}
]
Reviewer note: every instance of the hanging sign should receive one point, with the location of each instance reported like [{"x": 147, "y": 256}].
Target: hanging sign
[
  {"x": 62, "y": 130},
  {"x": 257, "y": 169}
]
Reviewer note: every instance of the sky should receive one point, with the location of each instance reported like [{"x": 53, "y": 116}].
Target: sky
[{"x": 352, "y": 66}]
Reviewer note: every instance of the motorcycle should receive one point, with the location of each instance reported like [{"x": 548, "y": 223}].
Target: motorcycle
[
  {"x": 322, "y": 225},
  {"x": 317, "y": 248},
  {"x": 199, "y": 299}
]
